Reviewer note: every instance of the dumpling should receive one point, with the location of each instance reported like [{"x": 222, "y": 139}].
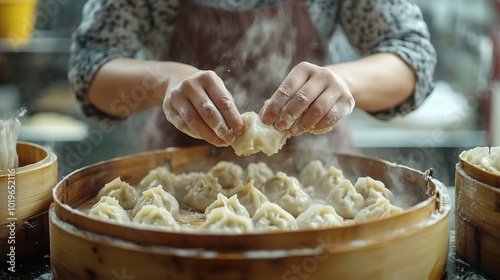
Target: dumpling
[
  {"x": 271, "y": 217},
  {"x": 231, "y": 203},
  {"x": 250, "y": 197},
  {"x": 328, "y": 182},
  {"x": 121, "y": 191},
  {"x": 311, "y": 173},
  {"x": 258, "y": 137},
  {"x": 185, "y": 182},
  {"x": 108, "y": 208},
  {"x": 223, "y": 220},
  {"x": 275, "y": 186},
  {"x": 159, "y": 176},
  {"x": 371, "y": 190},
  {"x": 491, "y": 161},
  {"x": 203, "y": 193},
  {"x": 319, "y": 216},
  {"x": 227, "y": 173},
  {"x": 286, "y": 191},
  {"x": 346, "y": 201},
  {"x": 156, "y": 216},
  {"x": 381, "y": 208},
  {"x": 157, "y": 196},
  {"x": 258, "y": 172}
]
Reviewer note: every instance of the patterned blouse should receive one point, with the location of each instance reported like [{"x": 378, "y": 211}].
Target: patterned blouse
[{"x": 142, "y": 29}]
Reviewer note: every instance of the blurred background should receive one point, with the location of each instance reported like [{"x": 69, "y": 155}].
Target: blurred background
[{"x": 462, "y": 112}]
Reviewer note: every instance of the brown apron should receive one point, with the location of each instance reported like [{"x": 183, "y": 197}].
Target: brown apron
[{"x": 252, "y": 51}]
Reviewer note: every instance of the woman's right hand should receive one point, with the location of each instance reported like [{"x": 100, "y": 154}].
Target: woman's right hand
[{"x": 198, "y": 104}]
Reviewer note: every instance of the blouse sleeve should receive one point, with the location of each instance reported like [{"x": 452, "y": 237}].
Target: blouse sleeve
[
  {"x": 394, "y": 26},
  {"x": 115, "y": 29}
]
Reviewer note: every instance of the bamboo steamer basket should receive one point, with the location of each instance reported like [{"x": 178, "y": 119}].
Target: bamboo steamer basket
[
  {"x": 477, "y": 228},
  {"x": 412, "y": 245},
  {"x": 35, "y": 178}
]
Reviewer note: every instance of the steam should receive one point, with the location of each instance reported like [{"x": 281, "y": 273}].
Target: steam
[{"x": 261, "y": 58}]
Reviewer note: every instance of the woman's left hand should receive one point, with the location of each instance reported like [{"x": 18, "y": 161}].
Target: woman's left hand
[{"x": 311, "y": 98}]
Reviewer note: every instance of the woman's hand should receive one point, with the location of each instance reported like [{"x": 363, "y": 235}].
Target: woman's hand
[
  {"x": 198, "y": 104},
  {"x": 311, "y": 98}
]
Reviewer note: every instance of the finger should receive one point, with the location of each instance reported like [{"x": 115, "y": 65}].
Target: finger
[
  {"x": 339, "y": 110},
  {"x": 302, "y": 100},
  {"x": 187, "y": 118},
  {"x": 224, "y": 102},
  {"x": 202, "y": 102},
  {"x": 316, "y": 112},
  {"x": 293, "y": 82},
  {"x": 197, "y": 125}
]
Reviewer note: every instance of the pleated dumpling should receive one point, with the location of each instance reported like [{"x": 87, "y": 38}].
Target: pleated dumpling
[
  {"x": 223, "y": 220},
  {"x": 311, "y": 173},
  {"x": 381, "y": 208},
  {"x": 346, "y": 201},
  {"x": 152, "y": 215},
  {"x": 203, "y": 193},
  {"x": 328, "y": 182},
  {"x": 232, "y": 203},
  {"x": 271, "y": 217},
  {"x": 121, "y": 191},
  {"x": 157, "y": 196},
  {"x": 227, "y": 173},
  {"x": 258, "y": 172},
  {"x": 258, "y": 137},
  {"x": 250, "y": 197},
  {"x": 286, "y": 191},
  {"x": 371, "y": 190},
  {"x": 108, "y": 208},
  {"x": 158, "y": 176},
  {"x": 319, "y": 216}
]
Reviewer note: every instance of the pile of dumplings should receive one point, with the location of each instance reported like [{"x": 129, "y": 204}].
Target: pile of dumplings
[
  {"x": 486, "y": 158},
  {"x": 232, "y": 199}
]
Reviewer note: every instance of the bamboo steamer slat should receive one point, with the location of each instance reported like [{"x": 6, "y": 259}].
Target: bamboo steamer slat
[
  {"x": 477, "y": 230},
  {"x": 413, "y": 244},
  {"x": 34, "y": 180}
]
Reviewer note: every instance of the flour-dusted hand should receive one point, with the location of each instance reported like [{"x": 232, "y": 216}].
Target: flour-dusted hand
[
  {"x": 310, "y": 99},
  {"x": 199, "y": 105}
]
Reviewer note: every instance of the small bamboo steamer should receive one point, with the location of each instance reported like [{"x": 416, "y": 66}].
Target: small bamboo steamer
[
  {"x": 412, "y": 245},
  {"x": 477, "y": 228},
  {"x": 35, "y": 178},
  {"x": 477, "y": 173}
]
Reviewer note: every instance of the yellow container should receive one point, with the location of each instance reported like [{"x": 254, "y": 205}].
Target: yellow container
[{"x": 17, "y": 20}]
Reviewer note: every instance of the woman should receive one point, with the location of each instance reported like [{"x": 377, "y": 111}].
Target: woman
[{"x": 201, "y": 63}]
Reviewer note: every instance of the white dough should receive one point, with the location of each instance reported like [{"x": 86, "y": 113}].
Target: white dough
[
  {"x": 223, "y": 220},
  {"x": 346, "y": 201},
  {"x": 258, "y": 137},
  {"x": 203, "y": 193},
  {"x": 271, "y": 217},
  {"x": 319, "y": 216},
  {"x": 232, "y": 203},
  {"x": 380, "y": 209},
  {"x": 152, "y": 215},
  {"x": 157, "y": 196},
  {"x": 371, "y": 190},
  {"x": 121, "y": 191},
  {"x": 108, "y": 208},
  {"x": 250, "y": 197},
  {"x": 227, "y": 173}
]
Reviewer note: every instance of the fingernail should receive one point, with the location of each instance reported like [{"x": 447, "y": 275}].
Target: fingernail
[{"x": 280, "y": 125}]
